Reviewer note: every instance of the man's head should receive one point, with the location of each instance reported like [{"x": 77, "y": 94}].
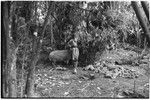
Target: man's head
[
  {"x": 74, "y": 36},
  {"x": 75, "y": 39}
]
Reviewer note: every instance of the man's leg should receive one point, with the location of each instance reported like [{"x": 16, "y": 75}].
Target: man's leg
[
  {"x": 75, "y": 60},
  {"x": 75, "y": 66}
]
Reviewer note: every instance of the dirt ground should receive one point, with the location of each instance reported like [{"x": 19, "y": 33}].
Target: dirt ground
[
  {"x": 62, "y": 83},
  {"x": 65, "y": 84}
]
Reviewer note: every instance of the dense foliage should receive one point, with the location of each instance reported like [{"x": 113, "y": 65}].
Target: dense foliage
[{"x": 99, "y": 26}]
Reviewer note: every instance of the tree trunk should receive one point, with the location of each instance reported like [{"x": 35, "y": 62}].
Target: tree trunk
[
  {"x": 4, "y": 71},
  {"x": 12, "y": 77},
  {"x": 12, "y": 56},
  {"x": 36, "y": 50},
  {"x": 52, "y": 36},
  {"x": 23, "y": 65},
  {"x": 145, "y": 7},
  {"x": 143, "y": 24},
  {"x": 4, "y": 54},
  {"x": 11, "y": 52},
  {"x": 30, "y": 76},
  {"x": 22, "y": 73}
]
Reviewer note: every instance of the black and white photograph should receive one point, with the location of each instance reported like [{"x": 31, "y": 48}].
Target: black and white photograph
[{"x": 75, "y": 49}]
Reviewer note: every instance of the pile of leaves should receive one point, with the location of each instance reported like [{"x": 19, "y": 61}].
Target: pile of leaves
[{"x": 121, "y": 63}]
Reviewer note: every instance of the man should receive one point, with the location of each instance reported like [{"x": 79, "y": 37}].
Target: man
[{"x": 72, "y": 44}]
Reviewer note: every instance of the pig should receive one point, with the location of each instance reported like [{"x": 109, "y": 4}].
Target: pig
[
  {"x": 60, "y": 56},
  {"x": 63, "y": 56}
]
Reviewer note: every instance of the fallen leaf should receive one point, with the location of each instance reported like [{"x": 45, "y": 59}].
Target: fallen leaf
[
  {"x": 66, "y": 93},
  {"x": 99, "y": 88}
]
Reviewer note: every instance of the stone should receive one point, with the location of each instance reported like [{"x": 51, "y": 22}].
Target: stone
[
  {"x": 98, "y": 64},
  {"x": 90, "y": 67},
  {"x": 104, "y": 69}
]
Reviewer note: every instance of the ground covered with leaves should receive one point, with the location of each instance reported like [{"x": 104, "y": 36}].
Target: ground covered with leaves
[{"x": 116, "y": 74}]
